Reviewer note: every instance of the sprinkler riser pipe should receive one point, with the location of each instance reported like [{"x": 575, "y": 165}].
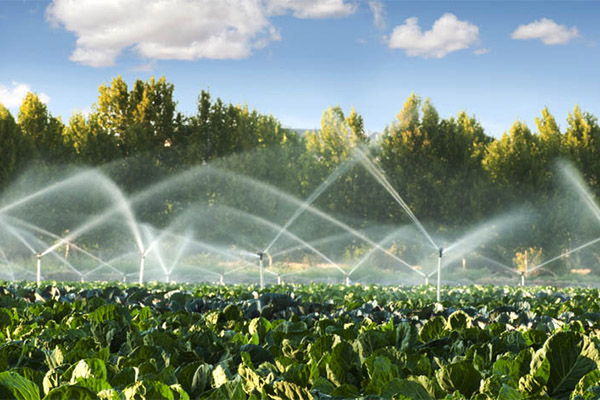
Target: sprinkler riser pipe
[
  {"x": 347, "y": 280},
  {"x": 522, "y": 280},
  {"x": 221, "y": 280},
  {"x": 279, "y": 281},
  {"x": 39, "y": 270},
  {"x": 142, "y": 262},
  {"x": 438, "y": 294},
  {"x": 261, "y": 271}
]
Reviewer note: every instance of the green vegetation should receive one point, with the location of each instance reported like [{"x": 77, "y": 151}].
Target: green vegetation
[
  {"x": 450, "y": 172},
  {"x": 298, "y": 342}
]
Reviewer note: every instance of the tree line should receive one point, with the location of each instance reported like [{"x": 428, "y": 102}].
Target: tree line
[{"x": 449, "y": 171}]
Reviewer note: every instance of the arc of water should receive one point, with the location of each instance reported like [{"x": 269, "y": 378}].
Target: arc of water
[
  {"x": 8, "y": 264},
  {"x": 498, "y": 264},
  {"x": 577, "y": 181},
  {"x": 322, "y": 187},
  {"x": 287, "y": 233},
  {"x": 565, "y": 254},
  {"x": 21, "y": 239},
  {"x": 122, "y": 206},
  {"x": 378, "y": 174},
  {"x": 55, "y": 236},
  {"x": 325, "y": 240},
  {"x": 249, "y": 181},
  {"x": 85, "y": 176},
  {"x": 384, "y": 241},
  {"x": 179, "y": 254}
]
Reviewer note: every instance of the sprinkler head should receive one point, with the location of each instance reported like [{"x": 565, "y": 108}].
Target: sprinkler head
[
  {"x": 39, "y": 255},
  {"x": 441, "y": 250},
  {"x": 260, "y": 255}
]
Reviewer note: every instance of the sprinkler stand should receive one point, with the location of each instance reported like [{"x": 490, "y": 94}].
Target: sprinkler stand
[
  {"x": 261, "y": 255},
  {"x": 142, "y": 262},
  {"x": 438, "y": 295},
  {"x": 39, "y": 269},
  {"x": 221, "y": 280}
]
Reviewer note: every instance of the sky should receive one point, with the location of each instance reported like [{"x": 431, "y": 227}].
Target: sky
[{"x": 500, "y": 61}]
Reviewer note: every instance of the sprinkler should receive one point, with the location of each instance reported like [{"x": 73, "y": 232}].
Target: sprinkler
[
  {"x": 261, "y": 256},
  {"x": 427, "y": 280},
  {"x": 522, "y": 279},
  {"x": 221, "y": 280},
  {"x": 439, "y": 275},
  {"x": 142, "y": 262},
  {"x": 347, "y": 280},
  {"x": 279, "y": 281},
  {"x": 39, "y": 269}
]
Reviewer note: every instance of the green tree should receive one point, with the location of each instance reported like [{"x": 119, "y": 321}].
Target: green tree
[
  {"x": 9, "y": 140},
  {"x": 44, "y": 130}
]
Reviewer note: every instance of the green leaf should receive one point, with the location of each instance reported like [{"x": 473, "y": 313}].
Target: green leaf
[
  {"x": 219, "y": 376},
  {"x": 585, "y": 385},
  {"x": 407, "y": 337},
  {"x": 14, "y": 386},
  {"x": 458, "y": 320},
  {"x": 88, "y": 368},
  {"x": 94, "y": 384},
  {"x": 344, "y": 365},
  {"x": 381, "y": 372},
  {"x": 232, "y": 390},
  {"x": 71, "y": 392},
  {"x": 290, "y": 391},
  {"x": 461, "y": 376},
  {"x": 346, "y": 391},
  {"x": 410, "y": 389},
  {"x": 433, "y": 329},
  {"x": 148, "y": 390},
  {"x": 509, "y": 393},
  {"x": 565, "y": 358},
  {"x": 195, "y": 377},
  {"x": 124, "y": 377}
]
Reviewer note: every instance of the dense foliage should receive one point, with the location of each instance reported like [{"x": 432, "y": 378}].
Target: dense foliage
[
  {"x": 449, "y": 171},
  {"x": 298, "y": 342}
]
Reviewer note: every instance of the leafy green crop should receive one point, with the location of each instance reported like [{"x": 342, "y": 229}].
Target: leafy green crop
[{"x": 298, "y": 342}]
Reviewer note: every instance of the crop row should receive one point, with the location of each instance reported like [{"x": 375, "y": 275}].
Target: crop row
[{"x": 298, "y": 342}]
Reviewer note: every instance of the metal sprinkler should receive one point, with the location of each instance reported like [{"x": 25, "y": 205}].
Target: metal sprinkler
[
  {"x": 439, "y": 275},
  {"x": 142, "y": 262},
  {"x": 39, "y": 269},
  {"x": 261, "y": 256}
]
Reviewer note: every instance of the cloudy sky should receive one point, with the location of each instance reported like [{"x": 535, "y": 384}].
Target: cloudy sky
[{"x": 498, "y": 60}]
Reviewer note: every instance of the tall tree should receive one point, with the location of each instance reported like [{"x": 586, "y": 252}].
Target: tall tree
[{"x": 44, "y": 130}]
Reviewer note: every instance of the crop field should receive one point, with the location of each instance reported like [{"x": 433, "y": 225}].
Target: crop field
[{"x": 298, "y": 342}]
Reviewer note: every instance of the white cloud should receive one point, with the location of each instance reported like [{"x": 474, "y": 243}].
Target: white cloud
[
  {"x": 548, "y": 31},
  {"x": 378, "y": 11},
  {"x": 12, "y": 96},
  {"x": 312, "y": 8},
  {"x": 447, "y": 34},
  {"x": 178, "y": 29},
  {"x": 481, "y": 51}
]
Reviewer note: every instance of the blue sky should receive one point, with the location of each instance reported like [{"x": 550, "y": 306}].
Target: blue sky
[{"x": 294, "y": 58}]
